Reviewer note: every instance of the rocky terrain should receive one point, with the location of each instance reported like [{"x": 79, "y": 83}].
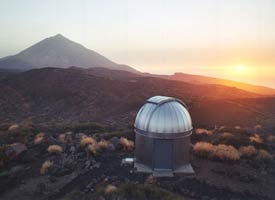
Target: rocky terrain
[
  {"x": 108, "y": 96},
  {"x": 85, "y": 162}
]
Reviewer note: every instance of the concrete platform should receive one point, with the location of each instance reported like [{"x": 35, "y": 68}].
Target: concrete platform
[
  {"x": 185, "y": 169},
  {"x": 163, "y": 173},
  {"x": 142, "y": 168}
]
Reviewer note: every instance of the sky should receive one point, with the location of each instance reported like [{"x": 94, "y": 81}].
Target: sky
[{"x": 221, "y": 38}]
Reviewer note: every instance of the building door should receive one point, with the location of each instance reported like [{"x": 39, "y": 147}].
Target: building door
[{"x": 163, "y": 150}]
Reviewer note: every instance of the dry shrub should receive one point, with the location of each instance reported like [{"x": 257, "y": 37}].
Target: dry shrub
[
  {"x": 227, "y": 135},
  {"x": 110, "y": 189},
  {"x": 203, "y": 148},
  {"x": 87, "y": 141},
  {"x": 13, "y": 127},
  {"x": 103, "y": 144},
  {"x": 203, "y": 131},
  {"x": 55, "y": 149},
  {"x": 92, "y": 148},
  {"x": 45, "y": 167},
  {"x": 256, "y": 138},
  {"x": 221, "y": 151},
  {"x": 248, "y": 151},
  {"x": 263, "y": 155},
  {"x": 127, "y": 144},
  {"x": 258, "y": 127},
  {"x": 271, "y": 138},
  {"x": 65, "y": 138},
  {"x": 226, "y": 152},
  {"x": 39, "y": 138}
]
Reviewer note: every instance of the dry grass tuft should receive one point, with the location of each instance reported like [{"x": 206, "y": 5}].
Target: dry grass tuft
[
  {"x": 127, "y": 144},
  {"x": 248, "y": 151},
  {"x": 203, "y": 131},
  {"x": 203, "y": 149},
  {"x": 65, "y": 138},
  {"x": 237, "y": 127},
  {"x": 256, "y": 138},
  {"x": 258, "y": 127},
  {"x": 87, "y": 141},
  {"x": 39, "y": 138},
  {"x": 226, "y": 152},
  {"x": 110, "y": 189},
  {"x": 13, "y": 127},
  {"x": 103, "y": 144},
  {"x": 46, "y": 166},
  {"x": 221, "y": 151},
  {"x": 263, "y": 155},
  {"x": 92, "y": 148},
  {"x": 226, "y": 135},
  {"x": 55, "y": 149}
]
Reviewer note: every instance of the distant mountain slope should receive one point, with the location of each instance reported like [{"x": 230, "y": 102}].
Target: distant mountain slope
[
  {"x": 58, "y": 51},
  {"x": 109, "y": 74},
  {"x": 188, "y": 78},
  {"x": 198, "y": 79},
  {"x": 75, "y": 94}
]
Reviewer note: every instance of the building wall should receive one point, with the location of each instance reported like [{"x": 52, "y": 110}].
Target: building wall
[
  {"x": 181, "y": 151},
  {"x": 144, "y": 152}
]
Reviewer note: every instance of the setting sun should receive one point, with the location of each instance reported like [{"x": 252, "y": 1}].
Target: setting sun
[{"x": 240, "y": 68}]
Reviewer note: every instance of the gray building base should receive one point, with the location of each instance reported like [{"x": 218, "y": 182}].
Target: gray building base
[{"x": 185, "y": 169}]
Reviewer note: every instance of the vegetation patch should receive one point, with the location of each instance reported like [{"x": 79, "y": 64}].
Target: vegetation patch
[
  {"x": 39, "y": 138},
  {"x": 46, "y": 166},
  {"x": 224, "y": 152},
  {"x": 248, "y": 151},
  {"x": 127, "y": 144},
  {"x": 220, "y": 151},
  {"x": 263, "y": 155},
  {"x": 203, "y": 131},
  {"x": 256, "y": 139},
  {"x": 87, "y": 141},
  {"x": 55, "y": 149}
]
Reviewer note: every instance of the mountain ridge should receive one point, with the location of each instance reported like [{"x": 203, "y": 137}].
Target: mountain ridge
[
  {"x": 59, "y": 51},
  {"x": 183, "y": 77},
  {"x": 201, "y": 79}
]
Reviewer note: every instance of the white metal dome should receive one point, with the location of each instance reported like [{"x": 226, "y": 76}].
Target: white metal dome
[{"x": 162, "y": 114}]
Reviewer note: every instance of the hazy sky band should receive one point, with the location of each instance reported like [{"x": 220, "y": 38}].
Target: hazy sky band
[{"x": 200, "y": 36}]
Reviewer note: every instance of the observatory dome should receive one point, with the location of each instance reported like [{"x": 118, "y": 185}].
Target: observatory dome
[{"x": 161, "y": 114}]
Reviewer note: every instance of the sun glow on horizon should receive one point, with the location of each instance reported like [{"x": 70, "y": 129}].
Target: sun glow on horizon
[{"x": 240, "y": 68}]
